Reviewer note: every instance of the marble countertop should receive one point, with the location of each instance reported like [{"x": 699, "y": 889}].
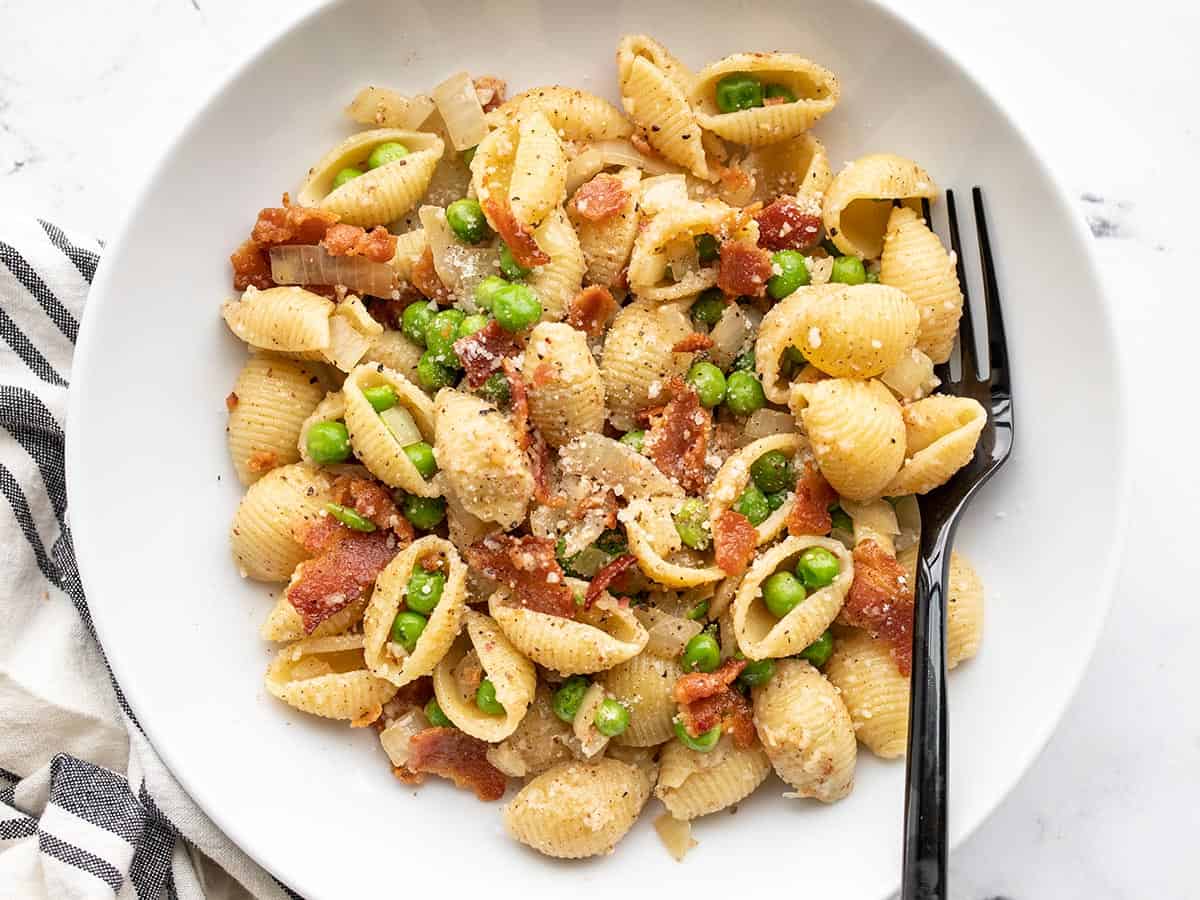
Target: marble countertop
[{"x": 1111, "y": 809}]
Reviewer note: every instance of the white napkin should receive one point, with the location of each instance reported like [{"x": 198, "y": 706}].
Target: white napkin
[{"x": 87, "y": 809}]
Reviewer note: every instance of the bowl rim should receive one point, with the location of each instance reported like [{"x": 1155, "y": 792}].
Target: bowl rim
[{"x": 1121, "y": 484}]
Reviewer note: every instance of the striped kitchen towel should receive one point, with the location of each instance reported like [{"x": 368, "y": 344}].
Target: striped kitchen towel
[{"x": 87, "y": 810}]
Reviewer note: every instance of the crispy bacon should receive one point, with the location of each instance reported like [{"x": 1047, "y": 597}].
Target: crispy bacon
[
  {"x": 483, "y": 353},
  {"x": 692, "y": 343},
  {"x": 290, "y": 224},
  {"x": 605, "y": 500},
  {"x": 678, "y": 437},
  {"x": 707, "y": 699},
  {"x": 454, "y": 754},
  {"x": 251, "y": 266},
  {"x": 349, "y": 563},
  {"x": 810, "y": 509},
  {"x": 519, "y": 239},
  {"x": 590, "y": 309},
  {"x": 527, "y": 566},
  {"x": 490, "y": 91},
  {"x": 425, "y": 279},
  {"x": 601, "y": 198},
  {"x": 697, "y": 685},
  {"x": 262, "y": 461},
  {"x": 231, "y": 401},
  {"x": 734, "y": 540},
  {"x": 784, "y": 225},
  {"x": 369, "y": 499},
  {"x": 518, "y": 400},
  {"x": 606, "y": 575},
  {"x": 880, "y": 600},
  {"x": 377, "y": 245},
  {"x": 743, "y": 269},
  {"x": 538, "y": 454}
]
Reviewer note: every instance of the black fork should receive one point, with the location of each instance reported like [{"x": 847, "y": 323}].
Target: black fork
[{"x": 925, "y": 842}]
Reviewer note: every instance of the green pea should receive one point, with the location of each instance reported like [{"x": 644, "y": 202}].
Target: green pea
[
  {"x": 872, "y": 278},
  {"x": 495, "y": 389},
  {"x": 425, "y": 513},
  {"x": 424, "y": 591},
  {"x": 381, "y": 397},
  {"x": 437, "y": 718},
  {"x": 415, "y": 321},
  {"x": 485, "y": 698},
  {"x": 841, "y": 520},
  {"x": 347, "y": 174},
  {"x": 773, "y": 472},
  {"x": 509, "y": 267},
  {"x": 472, "y": 324},
  {"x": 739, "y": 91},
  {"x": 753, "y": 505},
  {"x": 744, "y": 362},
  {"x": 782, "y": 592},
  {"x": 757, "y": 672},
  {"x": 441, "y": 335},
  {"x": 420, "y": 454},
  {"x": 431, "y": 374},
  {"x": 791, "y": 272},
  {"x": 691, "y": 521},
  {"x": 465, "y": 218},
  {"x": 744, "y": 394},
  {"x": 795, "y": 356},
  {"x": 702, "y": 653},
  {"x": 699, "y": 611},
  {"x": 817, "y": 567},
  {"x": 635, "y": 439},
  {"x": 702, "y": 743},
  {"x": 779, "y": 90},
  {"x": 407, "y": 628},
  {"x": 819, "y": 651},
  {"x": 708, "y": 382},
  {"x": 386, "y": 153},
  {"x": 349, "y": 517},
  {"x": 328, "y": 442},
  {"x": 848, "y": 270},
  {"x": 709, "y": 307},
  {"x": 486, "y": 291},
  {"x": 611, "y": 718},
  {"x": 776, "y": 500},
  {"x": 516, "y": 308},
  {"x": 568, "y": 697},
  {"x": 707, "y": 247}
]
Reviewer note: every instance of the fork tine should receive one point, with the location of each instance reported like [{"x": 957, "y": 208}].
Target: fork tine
[
  {"x": 997, "y": 343},
  {"x": 925, "y": 212},
  {"x": 966, "y": 325}
]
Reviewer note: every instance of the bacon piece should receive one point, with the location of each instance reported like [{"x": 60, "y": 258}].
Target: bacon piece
[
  {"x": 372, "y": 501},
  {"x": 377, "y": 245},
  {"x": 606, "y": 575},
  {"x": 784, "y": 225},
  {"x": 736, "y": 182},
  {"x": 349, "y": 563},
  {"x": 744, "y": 269},
  {"x": 251, "y": 266},
  {"x": 453, "y": 754},
  {"x": 810, "y": 508},
  {"x": 490, "y": 91},
  {"x": 880, "y": 600},
  {"x": 729, "y": 709},
  {"x": 527, "y": 566},
  {"x": 290, "y": 224},
  {"x": 425, "y": 279},
  {"x": 678, "y": 437},
  {"x": 605, "y": 500},
  {"x": 231, "y": 401},
  {"x": 519, "y": 239},
  {"x": 590, "y": 309},
  {"x": 483, "y": 353},
  {"x": 601, "y": 198},
  {"x": 734, "y": 540},
  {"x": 697, "y": 685},
  {"x": 518, "y": 401},
  {"x": 693, "y": 342},
  {"x": 262, "y": 461},
  {"x": 539, "y": 466}
]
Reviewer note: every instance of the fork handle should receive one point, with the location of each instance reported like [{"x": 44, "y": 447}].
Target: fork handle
[{"x": 925, "y": 789}]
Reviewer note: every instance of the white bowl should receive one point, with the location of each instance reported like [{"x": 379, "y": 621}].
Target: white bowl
[{"x": 152, "y": 489}]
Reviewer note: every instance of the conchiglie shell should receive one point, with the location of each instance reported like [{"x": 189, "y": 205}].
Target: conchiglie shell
[
  {"x": 816, "y": 89},
  {"x": 513, "y": 676},
  {"x": 284, "y": 624},
  {"x": 806, "y": 731},
  {"x": 274, "y": 397},
  {"x": 646, "y": 523},
  {"x": 539, "y": 170},
  {"x": 606, "y": 245},
  {"x": 759, "y": 634},
  {"x": 559, "y": 280},
  {"x": 576, "y": 115},
  {"x": 858, "y": 203},
  {"x": 492, "y": 164},
  {"x": 941, "y": 434},
  {"x": 964, "y": 609},
  {"x": 268, "y": 527},
  {"x": 915, "y": 261},
  {"x": 734, "y": 476},
  {"x": 692, "y": 784},
  {"x": 394, "y": 350},
  {"x": 638, "y": 358},
  {"x": 857, "y": 434},
  {"x": 374, "y": 442},
  {"x": 644, "y": 685},
  {"x": 388, "y": 660},
  {"x": 410, "y": 247},
  {"x": 654, "y": 87},
  {"x": 599, "y": 639},
  {"x": 327, "y": 677},
  {"x": 380, "y": 195},
  {"x": 542, "y": 740},
  {"x": 480, "y": 458},
  {"x": 797, "y": 166},
  {"x": 567, "y": 399},
  {"x": 633, "y": 46},
  {"x": 649, "y": 259},
  {"x": 578, "y": 809},
  {"x": 280, "y": 319},
  {"x": 874, "y": 691}
]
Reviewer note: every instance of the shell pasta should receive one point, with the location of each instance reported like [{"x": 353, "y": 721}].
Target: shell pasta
[{"x": 581, "y": 435}]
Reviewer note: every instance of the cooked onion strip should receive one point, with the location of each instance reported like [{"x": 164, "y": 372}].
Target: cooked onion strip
[
  {"x": 384, "y": 108},
  {"x": 312, "y": 264},
  {"x": 459, "y": 105}
]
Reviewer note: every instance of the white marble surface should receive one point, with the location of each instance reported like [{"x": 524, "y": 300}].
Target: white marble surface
[{"x": 89, "y": 92}]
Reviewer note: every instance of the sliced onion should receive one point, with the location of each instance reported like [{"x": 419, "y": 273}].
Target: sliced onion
[
  {"x": 820, "y": 269},
  {"x": 668, "y": 634},
  {"x": 911, "y": 378},
  {"x": 617, "y": 466},
  {"x": 730, "y": 336},
  {"x": 766, "y": 422},
  {"x": 312, "y": 264},
  {"x": 459, "y": 105},
  {"x": 385, "y": 108},
  {"x": 622, "y": 153},
  {"x": 908, "y": 516},
  {"x": 662, "y": 192},
  {"x": 396, "y": 737},
  {"x": 400, "y": 423},
  {"x": 506, "y": 758},
  {"x": 347, "y": 345},
  {"x": 460, "y": 267},
  {"x": 682, "y": 258},
  {"x": 676, "y": 835}
]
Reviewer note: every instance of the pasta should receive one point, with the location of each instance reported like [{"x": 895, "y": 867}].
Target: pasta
[
  {"x": 570, "y": 396},
  {"x": 327, "y": 677},
  {"x": 858, "y": 202},
  {"x": 654, "y": 90},
  {"x": 378, "y": 440},
  {"x": 267, "y": 535},
  {"x": 576, "y": 115},
  {"x": 644, "y": 684},
  {"x": 940, "y": 437},
  {"x": 668, "y": 241},
  {"x": 797, "y": 166},
  {"x": 282, "y": 319},
  {"x": 734, "y": 476},
  {"x": 558, "y": 281},
  {"x": 270, "y": 402},
  {"x": 638, "y": 361},
  {"x": 607, "y": 244},
  {"x": 692, "y": 784}
]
